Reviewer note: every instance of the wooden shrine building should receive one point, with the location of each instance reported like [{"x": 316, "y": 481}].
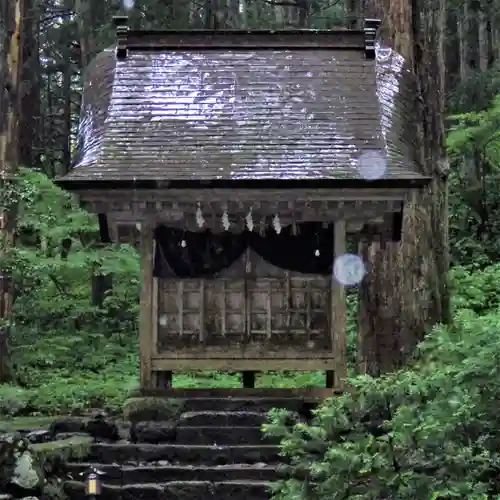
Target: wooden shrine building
[{"x": 246, "y": 159}]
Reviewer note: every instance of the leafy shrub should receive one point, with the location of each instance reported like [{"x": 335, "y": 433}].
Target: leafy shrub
[
  {"x": 476, "y": 289},
  {"x": 473, "y": 143},
  {"x": 13, "y": 400},
  {"x": 429, "y": 432},
  {"x": 76, "y": 395}
]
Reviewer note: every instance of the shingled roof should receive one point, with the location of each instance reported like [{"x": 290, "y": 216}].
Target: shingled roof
[{"x": 205, "y": 106}]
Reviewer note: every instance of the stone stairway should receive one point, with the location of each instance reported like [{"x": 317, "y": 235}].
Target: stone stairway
[{"x": 216, "y": 450}]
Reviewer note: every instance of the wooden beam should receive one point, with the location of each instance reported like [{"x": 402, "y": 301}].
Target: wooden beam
[
  {"x": 301, "y": 209},
  {"x": 355, "y": 219},
  {"x": 237, "y": 365},
  {"x": 153, "y": 196},
  {"x": 146, "y": 304},
  {"x": 338, "y": 324},
  {"x": 234, "y": 350}
]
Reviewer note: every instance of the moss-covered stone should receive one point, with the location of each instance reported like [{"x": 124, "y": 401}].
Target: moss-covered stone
[
  {"x": 74, "y": 448},
  {"x": 153, "y": 409},
  {"x": 21, "y": 471},
  {"x": 98, "y": 426},
  {"x": 54, "y": 457},
  {"x": 37, "y": 469}
]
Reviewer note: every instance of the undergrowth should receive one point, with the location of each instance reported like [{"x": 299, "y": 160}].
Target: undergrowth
[{"x": 430, "y": 431}]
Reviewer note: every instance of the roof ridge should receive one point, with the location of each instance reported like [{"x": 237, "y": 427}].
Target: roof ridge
[{"x": 296, "y": 39}]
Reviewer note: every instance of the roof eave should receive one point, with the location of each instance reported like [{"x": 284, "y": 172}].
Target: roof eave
[{"x": 80, "y": 185}]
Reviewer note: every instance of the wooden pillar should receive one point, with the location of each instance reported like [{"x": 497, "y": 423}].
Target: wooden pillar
[
  {"x": 160, "y": 379},
  {"x": 146, "y": 306},
  {"x": 339, "y": 312}
]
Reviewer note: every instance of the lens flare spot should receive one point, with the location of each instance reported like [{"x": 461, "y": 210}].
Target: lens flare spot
[
  {"x": 372, "y": 165},
  {"x": 128, "y": 4},
  {"x": 349, "y": 269}
]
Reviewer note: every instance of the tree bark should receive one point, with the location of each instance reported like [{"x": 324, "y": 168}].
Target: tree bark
[
  {"x": 12, "y": 16},
  {"x": 406, "y": 292},
  {"x": 483, "y": 39},
  {"x": 463, "y": 39},
  {"x": 441, "y": 51},
  {"x": 29, "y": 128}
]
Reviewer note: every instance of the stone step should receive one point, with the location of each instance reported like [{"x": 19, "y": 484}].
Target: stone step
[
  {"x": 223, "y": 418},
  {"x": 262, "y": 404},
  {"x": 221, "y": 435},
  {"x": 183, "y": 454},
  {"x": 178, "y": 490},
  {"x": 117, "y": 475}
]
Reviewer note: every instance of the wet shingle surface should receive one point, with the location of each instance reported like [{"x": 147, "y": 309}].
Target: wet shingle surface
[{"x": 190, "y": 113}]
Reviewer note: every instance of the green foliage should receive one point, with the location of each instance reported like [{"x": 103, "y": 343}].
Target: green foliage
[
  {"x": 69, "y": 353},
  {"x": 476, "y": 92},
  {"x": 477, "y": 131},
  {"x": 13, "y": 400},
  {"x": 56, "y": 260},
  {"x": 476, "y": 289},
  {"x": 474, "y": 146},
  {"x": 430, "y": 431}
]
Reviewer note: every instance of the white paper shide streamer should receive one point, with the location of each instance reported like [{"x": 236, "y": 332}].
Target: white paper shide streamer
[
  {"x": 249, "y": 220},
  {"x": 200, "y": 221},
  {"x": 225, "y": 221},
  {"x": 277, "y": 224}
]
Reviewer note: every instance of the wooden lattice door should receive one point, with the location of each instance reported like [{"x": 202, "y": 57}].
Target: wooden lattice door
[{"x": 249, "y": 313}]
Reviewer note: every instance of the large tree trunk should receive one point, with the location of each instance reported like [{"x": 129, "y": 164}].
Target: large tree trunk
[
  {"x": 483, "y": 39},
  {"x": 463, "y": 38},
  {"x": 406, "y": 292},
  {"x": 67, "y": 75},
  {"x": 12, "y": 16},
  {"x": 29, "y": 126},
  {"x": 441, "y": 51}
]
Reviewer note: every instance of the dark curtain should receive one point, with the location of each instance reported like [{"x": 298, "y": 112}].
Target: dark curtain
[
  {"x": 204, "y": 254},
  {"x": 297, "y": 252}
]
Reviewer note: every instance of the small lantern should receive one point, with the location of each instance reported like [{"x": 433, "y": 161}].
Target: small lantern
[{"x": 93, "y": 486}]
